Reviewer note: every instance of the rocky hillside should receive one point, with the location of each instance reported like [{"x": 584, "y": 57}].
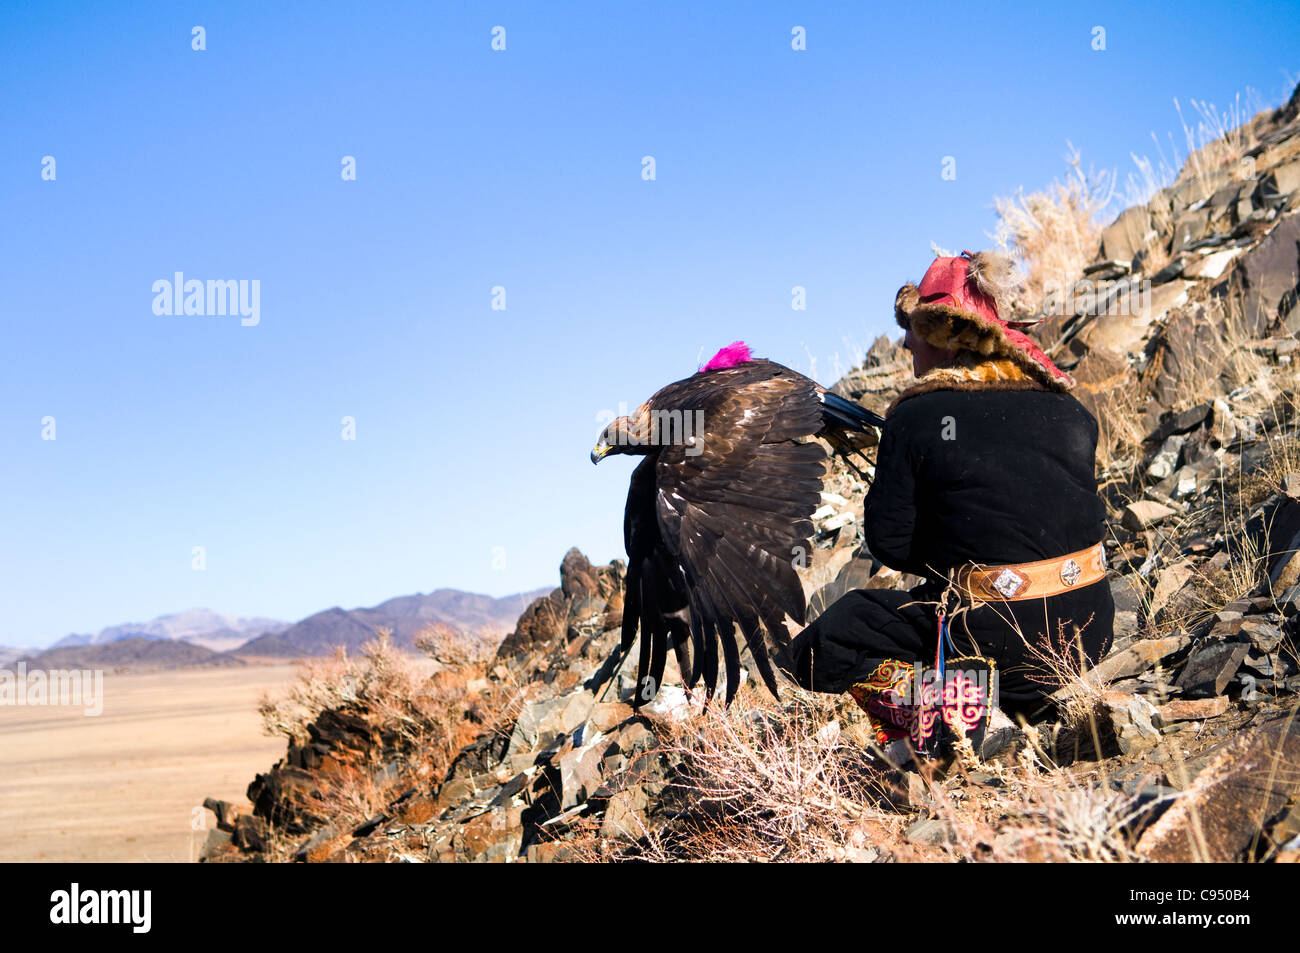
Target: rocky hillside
[{"x": 1180, "y": 745}]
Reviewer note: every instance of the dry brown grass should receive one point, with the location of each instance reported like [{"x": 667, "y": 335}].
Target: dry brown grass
[
  {"x": 766, "y": 781},
  {"x": 1221, "y": 362},
  {"x": 431, "y": 716},
  {"x": 450, "y": 648},
  {"x": 1217, "y": 138},
  {"x": 1213, "y": 590},
  {"x": 1281, "y": 458},
  {"x": 1119, "y": 430},
  {"x": 1054, "y": 232},
  {"x": 1036, "y": 813},
  {"x": 419, "y": 714},
  {"x": 1238, "y": 494},
  {"x": 1060, "y": 665},
  {"x": 380, "y": 682},
  {"x": 351, "y": 798},
  {"x": 462, "y": 701},
  {"x": 1205, "y": 591}
]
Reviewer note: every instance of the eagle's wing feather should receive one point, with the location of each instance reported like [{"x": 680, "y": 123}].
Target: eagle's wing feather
[
  {"x": 736, "y": 515},
  {"x": 656, "y": 596},
  {"x": 747, "y": 586}
]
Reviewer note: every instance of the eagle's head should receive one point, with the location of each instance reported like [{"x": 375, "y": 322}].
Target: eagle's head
[{"x": 625, "y": 435}]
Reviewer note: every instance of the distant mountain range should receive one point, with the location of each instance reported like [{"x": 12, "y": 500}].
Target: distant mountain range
[
  {"x": 204, "y": 637},
  {"x": 406, "y": 616},
  {"x": 213, "y": 630},
  {"x": 132, "y": 652}
]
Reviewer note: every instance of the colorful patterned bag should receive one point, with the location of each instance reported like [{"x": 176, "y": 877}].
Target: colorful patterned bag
[{"x": 930, "y": 707}]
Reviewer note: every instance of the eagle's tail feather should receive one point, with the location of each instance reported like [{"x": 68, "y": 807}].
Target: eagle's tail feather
[{"x": 849, "y": 414}]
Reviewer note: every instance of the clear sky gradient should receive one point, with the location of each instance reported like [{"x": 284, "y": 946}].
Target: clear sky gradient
[{"x": 476, "y": 169}]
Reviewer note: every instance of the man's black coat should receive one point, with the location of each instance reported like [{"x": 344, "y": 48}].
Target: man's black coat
[{"x": 984, "y": 474}]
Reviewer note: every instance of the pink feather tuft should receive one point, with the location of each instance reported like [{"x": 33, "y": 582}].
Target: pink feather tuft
[{"x": 735, "y": 353}]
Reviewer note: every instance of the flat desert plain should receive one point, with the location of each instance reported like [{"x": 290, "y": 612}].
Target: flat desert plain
[{"x": 125, "y": 785}]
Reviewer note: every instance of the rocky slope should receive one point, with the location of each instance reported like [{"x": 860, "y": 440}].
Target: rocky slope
[{"x": 1181, "y": 745}]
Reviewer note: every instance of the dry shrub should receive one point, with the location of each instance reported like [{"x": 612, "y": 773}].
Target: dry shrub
[
  {"x": 1217, "y": 138},
  {"x": 1239, "y": 493},
  {"x": 1281, "y": 456},
  {"x": 1037, "y": 812},
  {"x": 1281, "y": 459},
  {"x": 767, "y": 780},
  {"x": 429, "y": 715},
  {"x": 374, "y": 679},
  {"x": 352, "y": 797},
  {"x": 1219, "y": 361},
  {"x": 454, "y": 649},
  {"x": 1245, "y": 568},
  {"x": 1119, "y": 429},
  {"x": 463, "y": 702},
  {"x": 1054, "y": 232},
  {"x": 1060, "y": 665}
]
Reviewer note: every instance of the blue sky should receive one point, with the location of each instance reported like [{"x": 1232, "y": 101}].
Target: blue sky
[{"x": 475, "y": 169}]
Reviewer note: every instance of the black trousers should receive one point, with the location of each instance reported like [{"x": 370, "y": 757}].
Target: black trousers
[{"x": 867, "y": 627}]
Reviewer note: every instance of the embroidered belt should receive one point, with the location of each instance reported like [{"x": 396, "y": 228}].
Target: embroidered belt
[{"x": 1038, "y": 580}]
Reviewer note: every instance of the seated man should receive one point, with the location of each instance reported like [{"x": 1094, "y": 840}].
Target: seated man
[{"x": 985, "y": 486}]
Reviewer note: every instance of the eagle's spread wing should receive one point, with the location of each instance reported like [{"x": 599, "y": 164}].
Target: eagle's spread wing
[
  {"x": 733, "y": 516},
  {"x": 656, "y": 598}
]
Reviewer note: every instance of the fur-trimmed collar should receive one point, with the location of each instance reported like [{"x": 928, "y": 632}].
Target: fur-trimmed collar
[{"x": 970, "y": 372}]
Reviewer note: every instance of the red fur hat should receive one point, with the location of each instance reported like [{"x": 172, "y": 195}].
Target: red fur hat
[{"x": 958, "y": 307}]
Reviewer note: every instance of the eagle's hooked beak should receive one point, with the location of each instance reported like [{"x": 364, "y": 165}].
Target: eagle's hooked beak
[{"x": 599, "y": 452}]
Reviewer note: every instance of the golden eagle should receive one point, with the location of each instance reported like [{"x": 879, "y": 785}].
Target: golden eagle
[{"x": 720, "y": 511}]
